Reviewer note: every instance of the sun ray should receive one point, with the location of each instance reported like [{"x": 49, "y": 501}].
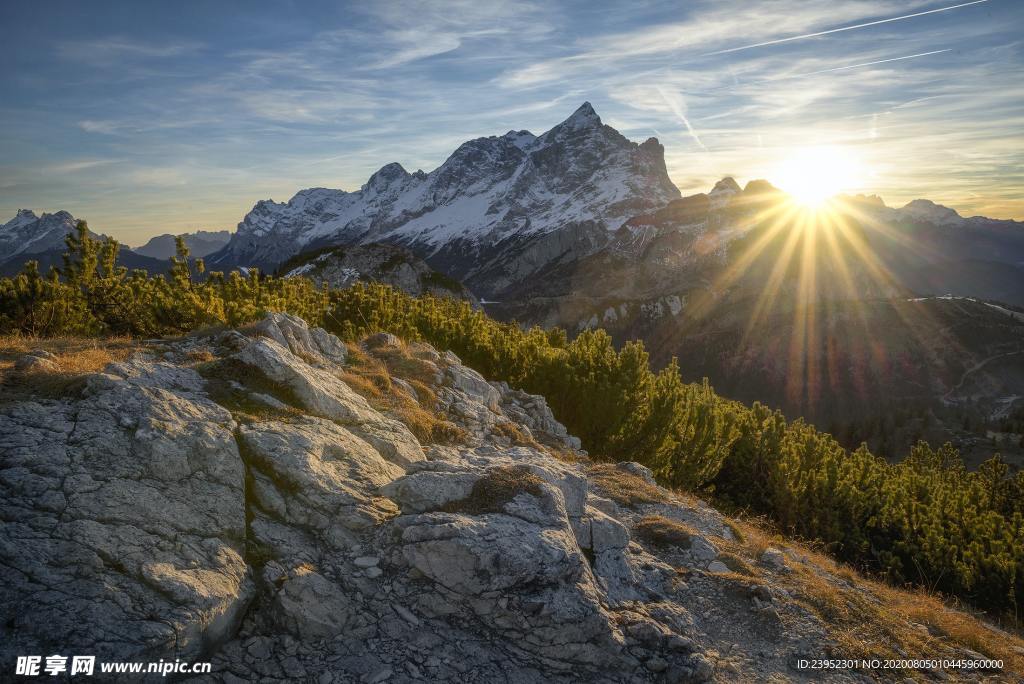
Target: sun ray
[
  {"x": 782, "y": 214},
  {"x": 771, "y": 289}
]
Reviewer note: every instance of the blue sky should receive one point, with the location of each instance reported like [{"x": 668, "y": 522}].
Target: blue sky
[{"x": 147, "y": 117}]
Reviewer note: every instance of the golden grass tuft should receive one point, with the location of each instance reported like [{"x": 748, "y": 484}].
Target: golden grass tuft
[
  {"x": 75, "y": 359},
  {"x": 736, "y": 564},
  {"x": 662, "y": 532},
  {"x": 565, "y": 455},
  {"x": 515, "y": 435},
  {"x": 495, "y": 489},
  {"x": 197, "y": 356},
  {"x": 623, "y": 487},
  {"x": 401, "y": 362},
  {"x": 370, "y": 375}
]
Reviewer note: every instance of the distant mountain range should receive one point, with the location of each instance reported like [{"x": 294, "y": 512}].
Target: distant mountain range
[
  {"x": 502, "y": 211},
  {"x": 27, "y": 234},
  {"x": 28, "y": 237},
  {"x": 200, "y": 244},
  {"x": 41, "y": 238}
]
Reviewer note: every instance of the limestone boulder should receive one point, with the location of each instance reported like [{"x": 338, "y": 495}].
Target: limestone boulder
[{"x": 124, "y": 520}]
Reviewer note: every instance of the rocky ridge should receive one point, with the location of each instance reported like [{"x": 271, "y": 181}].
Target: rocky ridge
[
  {"x": 232, "y": 497},
  {"x": 28, "y": 237},
  {"x": 341, "y": 267},
  {"x": 494, "y": 212},
  {"x": 28, "y": 234}
]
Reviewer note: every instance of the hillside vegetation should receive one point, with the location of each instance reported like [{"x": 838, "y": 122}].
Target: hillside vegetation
[{"x": 925, "y": 520}]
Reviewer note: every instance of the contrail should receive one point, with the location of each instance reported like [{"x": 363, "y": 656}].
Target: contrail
[
  {"x": 677, "y": 105},
  {"x": 862, "y": 64},
  {"x": 843, "y": 28}
]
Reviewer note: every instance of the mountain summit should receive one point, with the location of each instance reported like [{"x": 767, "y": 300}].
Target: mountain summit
[
  {"x": 27, "y": 234},
  {"x": 496, "y": 211},
  {"x": 583, "y": 117}
]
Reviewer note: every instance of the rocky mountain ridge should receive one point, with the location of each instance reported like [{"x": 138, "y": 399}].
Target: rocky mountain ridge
[
  {"x": 496, "y": 210},
  {"x": 28, "y": 237},
  {"x": 378, "y": 262},
  {"x": 230, "y": 497},
  {"x": 27, "y": 234}
]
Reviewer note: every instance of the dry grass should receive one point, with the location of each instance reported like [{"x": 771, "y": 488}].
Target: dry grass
[
  {"x": 736, "y": 564},
  {"x": 401, "y": 362},
  {"x": 198, "y": 356},
  {"x": 623, "y": 487},
  {"x": 872, "y": 619},
  {"x": 76, "y": 354},
  {"x": 565, "y": 455},
  {"x": 662, "y": 532},
  {"x": 370, "y": 375},
  {"x": 373, "y": 387},
  {"x": 958, "y": 625},
  {"x": 515, "y": 435},
  {"x": 861, "y": 625},
  {"x": 751, "y": 537},
  {"x": 75, "y": 359},
  {"x": 498, "y": 487},
  {"x": 230, "y": 383}
]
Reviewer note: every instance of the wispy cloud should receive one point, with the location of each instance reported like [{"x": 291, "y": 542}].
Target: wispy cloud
[
  {"x": 82, "y": 165},
  {"x": 111, "y": 48},
  {"x": 648, "y": 48},
  {"x": 105, "y": 127}
]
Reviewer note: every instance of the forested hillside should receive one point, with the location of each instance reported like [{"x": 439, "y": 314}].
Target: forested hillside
[{"x": 925, "y": 520}]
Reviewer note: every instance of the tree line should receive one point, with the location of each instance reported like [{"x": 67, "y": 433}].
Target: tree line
[{"x": 925, "y": 520}]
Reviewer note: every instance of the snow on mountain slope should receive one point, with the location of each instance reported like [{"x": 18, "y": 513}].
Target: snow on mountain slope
[
  {"x": 28, "y": 234},
  {"x": 28, "y": 237},
  {"x": 505, "y": 190},
  {"x": 930, "y": 212}
]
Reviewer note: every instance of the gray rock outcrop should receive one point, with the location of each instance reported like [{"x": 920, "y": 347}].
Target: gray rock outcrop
[{"x": 166, "y": 511}]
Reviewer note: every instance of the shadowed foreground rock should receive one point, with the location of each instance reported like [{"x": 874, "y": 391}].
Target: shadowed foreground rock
[{"x": 308, "y": 536}]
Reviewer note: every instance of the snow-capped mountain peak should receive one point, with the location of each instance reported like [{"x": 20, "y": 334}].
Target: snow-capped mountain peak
[
  {"x": 521, "y": 139},
  {"x": 583, "y": 117},
  {"x": 385, "y": 177},
  {"x": 28, "y": 234},
  {"x": 23, "y": 217},
  {"x": 581, "y": 175},
  {"x": 930, "y": 212}
]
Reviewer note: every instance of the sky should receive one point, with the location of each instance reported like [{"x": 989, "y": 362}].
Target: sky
[{"x": 148, "y": 117}]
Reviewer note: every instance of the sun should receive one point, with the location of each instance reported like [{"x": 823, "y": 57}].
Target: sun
[{"x": 813, "y": 175}]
